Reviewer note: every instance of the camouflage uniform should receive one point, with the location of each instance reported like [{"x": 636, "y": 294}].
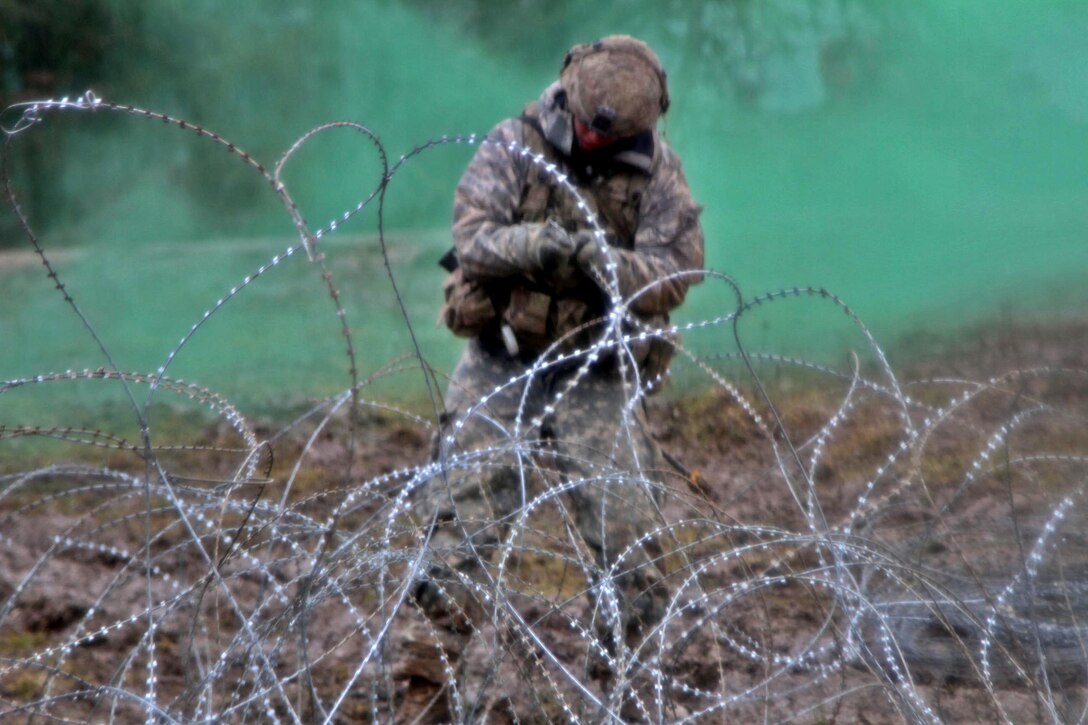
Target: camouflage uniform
[{"x": 565, "y": 423}]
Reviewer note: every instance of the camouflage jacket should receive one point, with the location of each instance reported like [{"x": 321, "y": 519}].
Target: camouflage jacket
[{"x": 637, "y": 191}]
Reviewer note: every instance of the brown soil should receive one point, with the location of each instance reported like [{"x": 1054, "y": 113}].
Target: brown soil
[{"x": 759, "y": 489}]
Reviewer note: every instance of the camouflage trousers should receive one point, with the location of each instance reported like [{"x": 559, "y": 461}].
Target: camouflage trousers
[{"x": 512, "y": 444}]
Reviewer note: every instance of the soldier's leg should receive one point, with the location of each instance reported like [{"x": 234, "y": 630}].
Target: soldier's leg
[
  {"x": 604, "y": 447},
  {"x": 485, "y": 474}
]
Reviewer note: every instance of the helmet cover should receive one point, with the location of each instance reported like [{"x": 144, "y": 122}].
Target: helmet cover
[{"x": 616, "y": 86}]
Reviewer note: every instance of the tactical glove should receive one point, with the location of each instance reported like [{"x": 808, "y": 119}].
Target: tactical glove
[
  {"x": 550, "y": 254},
  {"x": 591, "y": 256}
]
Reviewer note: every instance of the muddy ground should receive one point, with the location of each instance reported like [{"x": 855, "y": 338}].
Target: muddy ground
[{"x": 941, "y": 483}]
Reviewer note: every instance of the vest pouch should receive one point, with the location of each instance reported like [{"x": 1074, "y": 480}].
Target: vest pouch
[
  {"x": 468, "y": 308},
  {"x": 570, "y": 315},
  {"x": 659, "y": 354},
  {"x": 655, "y": 353},
  {"x": 527, "y": 314}
]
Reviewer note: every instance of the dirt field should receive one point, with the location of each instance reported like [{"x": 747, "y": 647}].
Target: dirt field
[{"x": 797, "y": 540}]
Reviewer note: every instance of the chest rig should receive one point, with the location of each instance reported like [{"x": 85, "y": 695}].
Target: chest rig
[
  {"x": 611, "y": 188},
  {"x": 612, "y": 193},
  {"x": 523, "y": 316}
]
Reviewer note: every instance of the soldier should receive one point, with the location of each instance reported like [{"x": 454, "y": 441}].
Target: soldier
[{"x": 533, "y": 281}]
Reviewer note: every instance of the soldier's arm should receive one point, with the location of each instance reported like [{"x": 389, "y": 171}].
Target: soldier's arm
[
  {"x": 490, "y": 240},
  {"x": 669, "y": 240}
]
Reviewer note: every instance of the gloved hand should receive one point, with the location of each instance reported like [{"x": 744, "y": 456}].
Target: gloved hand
[
  {"x": 591, "y": 256},
  {"x": 550, "y": 254},
  {"x": 554, "y": 247}
]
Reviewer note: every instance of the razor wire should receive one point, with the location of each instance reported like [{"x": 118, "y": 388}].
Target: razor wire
[{"x": 934, "y": 572}]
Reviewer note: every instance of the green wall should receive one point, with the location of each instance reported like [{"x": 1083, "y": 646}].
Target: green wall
[{"x": 927, "y": 164}]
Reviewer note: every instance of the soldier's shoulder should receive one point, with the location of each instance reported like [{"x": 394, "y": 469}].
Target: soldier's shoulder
[
  {"x": 509, "y": 129},
  {"x": 668, "y": 176},
  {"x": 498, "y": 149},
  {"x": 667, "y": 157}
]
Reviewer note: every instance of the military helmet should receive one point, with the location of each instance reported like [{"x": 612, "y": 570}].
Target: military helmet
[{"x": 616, "y": 85}]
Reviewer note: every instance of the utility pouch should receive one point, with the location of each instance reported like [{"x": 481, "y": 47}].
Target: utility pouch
[
  {"x": 468, "y": 308},
  {"x": 659, "y": 353},
  {"x": 654, "y": 354},
  {"x": 570, "y": 314},
  {"x": 527, "y": 314}
]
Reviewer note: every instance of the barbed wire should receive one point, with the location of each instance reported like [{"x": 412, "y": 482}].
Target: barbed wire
[{"x": 909, "y": 551}]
